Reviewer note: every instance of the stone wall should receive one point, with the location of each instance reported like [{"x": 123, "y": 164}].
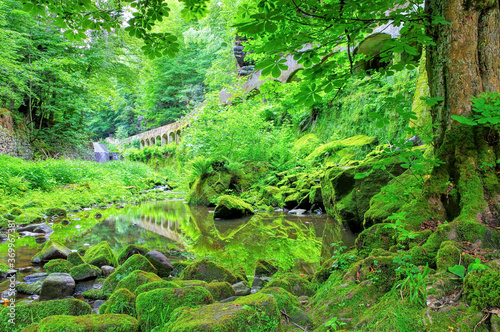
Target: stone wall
[{"x": 14, "y": 146}]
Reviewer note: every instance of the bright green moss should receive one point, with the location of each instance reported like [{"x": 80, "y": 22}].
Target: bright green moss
[
  {"x": 185, "y": 283},
  {"x": 75, "y": 259},
  {"x": 294, "y": 284},
  {"x": 57, "y": 265},
  {"x": 28, "y": 218},
  {"x": 3, "y": 268},
  {"x": 264, "y": 268},
  {"x": 291, "y": 304},
  {"x": 137, "y": 278},
  {"x": 130, "y": 250},
  {"x": 154, "y": 308},
  {"x": 220, "y": 290},
  {"x": 33, "y": 312},
  {"x": 122, "y": 301},
  {"x": 306, "y": 144},
  {"x": 155, "y": 285},
  {"x": 230, "y": 207},
  {"x": 136, "y": 262},
  {"x": 101, "y": 254},
  {"x": 56, "y": 212},
  {"x": 375, "y": 237},
  {"x": 51, "y": 250},
  {"x": 85, "y": 271},
  {"x": 91, "y": 323},
  {"x": 482, "y": 289},
  {"x": 207, "y": 271}
]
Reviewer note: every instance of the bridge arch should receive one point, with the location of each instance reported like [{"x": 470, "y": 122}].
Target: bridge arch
[{"x": 171, "y": 137}]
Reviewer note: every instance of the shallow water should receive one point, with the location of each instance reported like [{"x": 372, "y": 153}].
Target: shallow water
[{"x": 183, "y": 231}]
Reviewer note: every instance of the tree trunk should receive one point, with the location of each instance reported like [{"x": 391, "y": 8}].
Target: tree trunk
[{"x": 464, "y": 63}]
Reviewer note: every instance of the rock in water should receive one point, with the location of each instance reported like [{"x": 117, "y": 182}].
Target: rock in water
[
  {"x": 230, "y": 207},
  {"x": 161, "y": 262},
  {"x": 57, "y": 286}
]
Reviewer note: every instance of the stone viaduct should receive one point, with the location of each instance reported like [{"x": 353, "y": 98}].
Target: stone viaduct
[{"x": 168, "y": 134}]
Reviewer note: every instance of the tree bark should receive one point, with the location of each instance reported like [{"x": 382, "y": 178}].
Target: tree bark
[{"x": 463, "y": 63}]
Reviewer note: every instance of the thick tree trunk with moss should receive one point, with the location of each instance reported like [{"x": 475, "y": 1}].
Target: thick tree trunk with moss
[{"x": 465, "y": 62}]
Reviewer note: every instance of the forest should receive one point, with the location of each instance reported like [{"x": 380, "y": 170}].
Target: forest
[{"x": 332, "y": 165}]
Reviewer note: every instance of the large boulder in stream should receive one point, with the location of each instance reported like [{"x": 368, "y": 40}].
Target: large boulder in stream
[
  {"x": 244, "y": 314},
  {"x": 95, "y": 323},
  {"x": 231, "y": 207},
  {"x": 160, "y": 262},
  {"x": 85, "y": 272},
  {"x": 57, "y": 286},
  {"x": 130, "y": 250},
  {"x": 51, "y": 250}
]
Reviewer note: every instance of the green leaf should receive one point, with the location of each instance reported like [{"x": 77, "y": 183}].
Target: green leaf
[{"x": 464, "y": 120}]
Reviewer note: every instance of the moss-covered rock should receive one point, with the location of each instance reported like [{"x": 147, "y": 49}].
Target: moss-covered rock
[
  {"x": 75, "y": 259},
  {"x": 33, "y": 312},
  {"x": 58, "y": 265},
  {"x": 343, "y": 150},
  {"x": 220, "y": 290},
  {"x": 137, "y": 278},
  {"x": 16, "y": 211},
  {"x": 208, "y": 271},
  {"x": 297, "y": 285},
  {"x": 291, "y": 304},
  {"x": 3, "y": 268},
  {"x": 257, "y": 312},
  {"x": 28, "y": 218},
  {"x": 130, "y": 250},
  {"x": 51, "y": 250},
  {"x": 85, "y": 272},
  {"x": 155, "y": 285},
  {"x": 134, "y": 263},
  {"x": 230, "y": 207},
  {"x": 206, "y": 190},
  {"x": 306, "y": 145},
  {"x": 91, "y": 323},
  {"x": 160, "y": 262},
  {"x": 154, "y": 308},
  {"x": 178, "y": 267},
  {"x": 122, "y": 301},
  {"x": 448, "y": 255},
  {"x": 185, "y": 283},
  {"x": 482, "y": 289},
  {"x": 264, "y": 268},
  {"x": 57, "y": 286},
  {"x": 30, "y": 288},
  {"x": 56, "y": 212},
  {"x": 101, "y": 254},
  {"x": 376, "y": 237},
  {"x": 95, "y": 294}
]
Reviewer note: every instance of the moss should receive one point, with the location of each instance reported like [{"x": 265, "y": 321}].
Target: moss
[
  {"x": 85, "y": 271},
  {"x": 448, "y": 255},
  {"x": 3, "y": 268},
  {"x": 56, "y": 212},
  {"x": 258, "y": 313},
  {"x": 271, "y": 196},
  {"x": 75, "y": 259},
  {"x": 28, "y": 218},
  {"x": 134, "y": 263},
  {"x": 205, "y": 191},
  {"x": 264, "y": 268},
  {"x": 91, "y": 323},
  {"x": 291, "y": 306},
  {"x": 240, "y": 273},
  {"x": 31, "y": 328},
  {"x": 352, "y": 146},
  {"x": 155, "y": 307},
  {"x": 33, "y": 312},
  {"x": 51, "y": 250},
  {"x": 230, "y": 207},
  {"x": 155, "y": 285},
  {"x": 16, "y": 211},
  {"x": 179, "y": 266},
  {"x": 220, "y": 290},
  {"x": 377, "y": 236},
  {"x": 208, "y": 271},
  {"x": 95, "y": 294},
  {"x": 137, "y": 278},
  {"x": 100, "y": 254},
  {"x": 130, "y": 250},
  {"x": 306, "y": 144},
  {"x": 57, "y": 265},
  {"x": 122, "y": 301},
  {"x": 294, "y": 284},
  {"x": 33, "y": 288},
  {"x": 32, "y": 204},
  {"x": 185, "y": 283},
  {"x": 481, "y": 289}
]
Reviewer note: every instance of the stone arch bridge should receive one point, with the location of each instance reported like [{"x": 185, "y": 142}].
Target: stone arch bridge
[{"x": 168, "y": 134}]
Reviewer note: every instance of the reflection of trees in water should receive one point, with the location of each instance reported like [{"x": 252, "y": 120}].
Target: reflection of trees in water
[{"x": 331, "y": 234}]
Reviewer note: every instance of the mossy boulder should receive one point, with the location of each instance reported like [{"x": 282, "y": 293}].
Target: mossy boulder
[
  {"x": 30, "y": 288},
  {"x": 28, "y": 218},
  {"x": 95, "y": 294},
  {"x": 178, "y": 267},
  {"x": 33, "y": 312},
  {"x": 448, "y": 255},
  {"x": 57, "y": 265},
  {"x": 291, "y": 305},
  {"x": 56, "y": 212},
  {"x": 155, "y": 285},
  {"x": 208, "y": 271},
  {"x": 264, "y": 268},
  {"x": 348, "y": 198},
  {"x": 134, "y": 263},
  {"x": 376, "y": 237},
  {"x": 185, "y": 283},
  {"x": 85, "y": 272},
  {"x": 154, "y": 308},
  {"x": 220, "y": 290},
  {"x": 295, "y": 284},
  {"x": 32, "y": 204},
  {"x": 122, "y": 301},
  {"x": 206, "y": 190},
  {"x": 90, "y": 323},
  {"x": 16, "y": 211},
  {"x": 130, "y": 250},
  {"x": 482, "y": 289},
  {"x": 137, "y": 278},
  {"x": 231, "y": 207},
  {"x": 3, "y": 268},
  {"x": 306, "y": 145},
  {"x": 75, "y": 259},
  {"x": 51, "y": 250},
  {"x": 343, "y": 150},
  {"x": 101, "y": 254},
  {"x": 257, "y": 312}
]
